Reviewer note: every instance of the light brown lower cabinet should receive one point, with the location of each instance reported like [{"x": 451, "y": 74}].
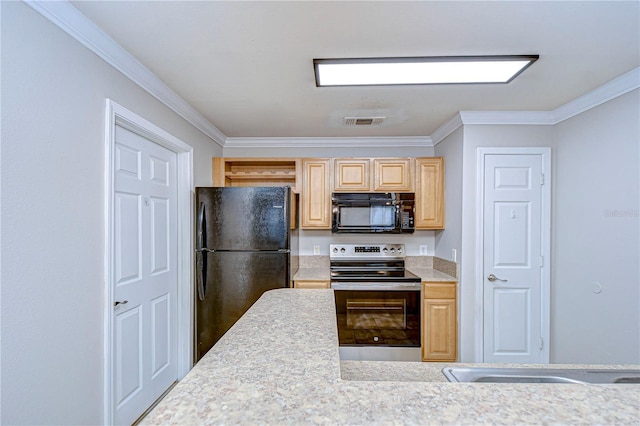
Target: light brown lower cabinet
[
  {"x": 311, "y": 284},
  {"x": 439, "y": 321}
]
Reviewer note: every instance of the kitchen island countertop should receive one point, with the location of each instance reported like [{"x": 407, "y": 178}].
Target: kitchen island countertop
[{"x": 279, "y": 364}]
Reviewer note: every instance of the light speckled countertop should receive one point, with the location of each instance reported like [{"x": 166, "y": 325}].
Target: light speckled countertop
[
  {"x": 433, "y": 275},
  {"x": 279, "y": 364},
  {"x": 312, "y": 274},
  {"x": 314, "y": 268}
]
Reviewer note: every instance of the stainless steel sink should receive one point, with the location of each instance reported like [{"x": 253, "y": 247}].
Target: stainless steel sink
[{"x": 540, "y": 375}]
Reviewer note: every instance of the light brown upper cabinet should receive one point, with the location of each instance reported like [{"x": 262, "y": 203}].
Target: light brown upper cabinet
[
  {"x": 351, "y": 174},
  {"x": 373, "y": 174},
  {"x": 257, "y": 172},
  {"x": 316, "y": 193},
  {"x": 429, "y": 193},
  {"x": 393, "y": 174},
  {"x": 312, "y": 179}
]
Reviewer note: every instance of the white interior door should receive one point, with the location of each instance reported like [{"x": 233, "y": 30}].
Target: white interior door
[
  {"x": 515, "y": 302},
  {"x": 144, "y": 350}
]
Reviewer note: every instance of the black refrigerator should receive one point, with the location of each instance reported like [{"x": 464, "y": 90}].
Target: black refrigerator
[{"x": 243, "y": 248}]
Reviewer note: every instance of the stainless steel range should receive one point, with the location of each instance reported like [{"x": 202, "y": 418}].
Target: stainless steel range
[{"x": 377, "y": 299}]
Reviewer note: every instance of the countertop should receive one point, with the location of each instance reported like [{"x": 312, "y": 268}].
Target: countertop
[
  {"x": 312, "y": 274},
  {"x": 323, "y": 274},
  {"x": 279, "y": 364},
  {"x": 433, "y": 275}
]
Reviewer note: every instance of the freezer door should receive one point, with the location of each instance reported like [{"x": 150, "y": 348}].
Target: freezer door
[
  {"x": 252, "y": 218},
  {"x": 235, "y": 280}
]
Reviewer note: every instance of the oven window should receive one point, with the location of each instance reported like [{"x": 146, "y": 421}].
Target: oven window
[
  {"x": 374, "y": 216},
  {"x": 380, "y": 318},
  {"x": 367, "y": 314}
]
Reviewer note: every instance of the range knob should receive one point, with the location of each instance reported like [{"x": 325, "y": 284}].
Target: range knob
[
  {"x": 342, "y": 250},
  {"x": 385, "y": 249},
  {"x": 335, "y": 249},
  {"x": 393, "y": 250},
  {"x": 399, "y": 249}
]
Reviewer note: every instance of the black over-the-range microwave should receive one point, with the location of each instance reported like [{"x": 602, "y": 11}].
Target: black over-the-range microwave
[{"x": 373, "y": 212}]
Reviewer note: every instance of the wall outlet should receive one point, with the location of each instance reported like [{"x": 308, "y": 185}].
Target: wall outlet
[
  {"x": 423, "y": 250},
  {"x": 454, "y": 255},
  {"x": 316, "y": 250}
]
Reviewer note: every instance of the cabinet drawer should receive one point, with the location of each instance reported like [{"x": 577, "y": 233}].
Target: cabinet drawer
[
  {"x": 439, "y": 290},
  {"x": 312, "y": 284}
]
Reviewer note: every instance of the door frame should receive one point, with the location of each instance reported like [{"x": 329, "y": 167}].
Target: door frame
[
  {"x": 119, "y": 115},
  {"x": 545, "y": 270}
]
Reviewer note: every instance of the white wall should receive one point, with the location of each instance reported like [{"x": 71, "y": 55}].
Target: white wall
[
  {"x": 596, "y": 237},
  {"x": 451, "y": 237},
  {"x": 53, "y": 108},
  {"x": 327, "y": 150},
  {"x": 412, "y": 242},
  {"x": 595, "y": 234},
  {"x": 476, "y": 136}
]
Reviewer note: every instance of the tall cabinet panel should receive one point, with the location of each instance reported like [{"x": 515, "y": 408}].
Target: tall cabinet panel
[
  {"x": 439, "y": 321},
  {"x": 429, "y": 193},
  {"x": 316, "y": 193}
]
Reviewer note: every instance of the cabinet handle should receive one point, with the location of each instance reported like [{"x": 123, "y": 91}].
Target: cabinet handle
[{"x": 120, "y": 303}]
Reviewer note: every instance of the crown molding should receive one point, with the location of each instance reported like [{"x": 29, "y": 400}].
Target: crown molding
[
  {"x": 332, "y": 142},
  {"x": 506, "y": 117},
  {"x": 446, "y": 129},
  {"x": 73, "y": 22},
  {"x": 608, "y": 91}
]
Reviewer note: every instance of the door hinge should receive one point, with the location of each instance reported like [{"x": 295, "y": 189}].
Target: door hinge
[
  {"x": 541, "y": 178},
  {"x": 541, "y": 343},
  {"x": 541, "y": 261}
]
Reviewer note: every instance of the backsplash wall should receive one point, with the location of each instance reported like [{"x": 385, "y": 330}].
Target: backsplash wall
[{"x": 323, "y": 238}]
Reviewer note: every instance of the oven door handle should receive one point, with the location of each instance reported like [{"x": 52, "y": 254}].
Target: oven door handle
[{"x": 373, "y": 286}]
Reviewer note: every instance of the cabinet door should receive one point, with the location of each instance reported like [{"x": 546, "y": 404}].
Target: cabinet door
[
  {"x": 316, "y": 193},
  {"x": 439, "y": 330},
  {"x": 217, "y": 170},
  {"x": 392, "y": 174},
  {"x": 312, "y": 284},
  {"x": 351, "y": 174},
  {"x": 429, "y": 193}
]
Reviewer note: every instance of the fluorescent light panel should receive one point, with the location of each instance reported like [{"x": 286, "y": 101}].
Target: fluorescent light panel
[{"x": 426, "y": 70}]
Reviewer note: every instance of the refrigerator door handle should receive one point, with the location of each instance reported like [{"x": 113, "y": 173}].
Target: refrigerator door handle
[
  {"x": 201, "y": 252},
  {"x": 201, "y": 273},
  {"x": 201, "y": 227}
]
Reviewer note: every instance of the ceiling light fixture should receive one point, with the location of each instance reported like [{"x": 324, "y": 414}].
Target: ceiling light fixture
[{"x": 420, "y": 70}]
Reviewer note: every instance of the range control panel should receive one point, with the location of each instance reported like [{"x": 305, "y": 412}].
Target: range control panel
[{"x": 366, "y": 251}]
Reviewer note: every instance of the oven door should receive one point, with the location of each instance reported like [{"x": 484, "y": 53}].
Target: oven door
[{"x": 378, "y": 317}]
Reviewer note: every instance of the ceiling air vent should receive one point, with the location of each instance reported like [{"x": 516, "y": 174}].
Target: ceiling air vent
[{"x": 363, "y": 121}]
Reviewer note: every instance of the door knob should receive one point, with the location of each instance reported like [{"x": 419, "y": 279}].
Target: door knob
[
  {"x": 493, "y": 278},
  {"x": 120, "y": 303}
]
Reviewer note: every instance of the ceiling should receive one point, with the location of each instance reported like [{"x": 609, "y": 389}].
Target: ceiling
[{"x": 248, "y": 66}]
